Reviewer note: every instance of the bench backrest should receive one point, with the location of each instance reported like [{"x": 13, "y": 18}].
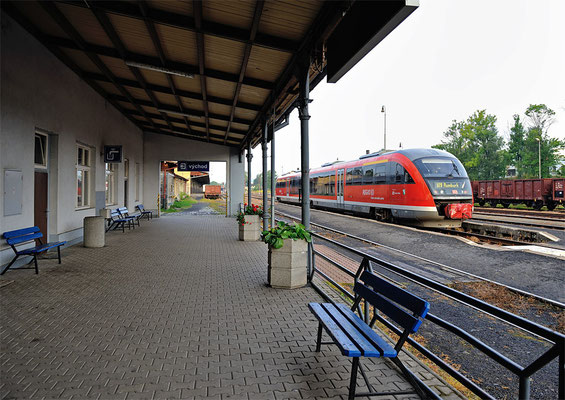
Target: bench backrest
[
  {"x": 404, "y": 308},
  {"x": 22, "y": 235},
  {"x": 123, "y": 211},
  {"x": 115, "y": 214},
  {"x": 140, "y": 207}
]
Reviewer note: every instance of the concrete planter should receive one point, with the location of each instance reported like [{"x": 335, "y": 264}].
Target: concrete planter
[
  {"x": 252, "y": 231},
  {"x": 287, "y": 265}
]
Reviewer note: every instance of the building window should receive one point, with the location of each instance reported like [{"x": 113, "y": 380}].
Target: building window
[
  {"x": 137, "y": 180},
  {"x": 111, "y": 183},
  {"x": 83, "y": 176},
  {"x": 40, "y": 154}
]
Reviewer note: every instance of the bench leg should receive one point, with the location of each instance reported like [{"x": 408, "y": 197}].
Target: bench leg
[
  {"x": 59, "y": 253},
  {"x": 9, "y": 265},
  {"x": 353, "y": 381},
  {"x": 319, "y": 340},
  {"x": 35, "y": 261}
]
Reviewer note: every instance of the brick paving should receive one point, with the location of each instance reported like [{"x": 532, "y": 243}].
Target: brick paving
[{"x": 177, "y": 309}]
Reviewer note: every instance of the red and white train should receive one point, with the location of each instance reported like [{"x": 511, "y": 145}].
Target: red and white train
[{"x": 424, "y": 187}]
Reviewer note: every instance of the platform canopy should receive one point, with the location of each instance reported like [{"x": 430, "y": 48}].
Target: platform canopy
[{"x": 207, "y": 70}]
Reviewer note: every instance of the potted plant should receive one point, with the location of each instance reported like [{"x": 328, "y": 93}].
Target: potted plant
[
  {"x": 249, "y": 221},
  {"x": 288, "y": 255}
]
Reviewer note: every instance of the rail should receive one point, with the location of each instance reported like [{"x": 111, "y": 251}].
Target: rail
[{"x": 523, "y": 373}]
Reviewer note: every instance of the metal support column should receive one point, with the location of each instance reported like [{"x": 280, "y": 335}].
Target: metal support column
[
  {"x": 265, "y": 197},
  {"x": 249, "y": 158},
  {"x": 304, "y": 147},
  {"x": 273, "y": 181},
  {"x": 305, "y": 155}
]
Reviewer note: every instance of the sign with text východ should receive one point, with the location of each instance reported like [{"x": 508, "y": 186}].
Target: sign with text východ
[{"x": 188, "y": 166}]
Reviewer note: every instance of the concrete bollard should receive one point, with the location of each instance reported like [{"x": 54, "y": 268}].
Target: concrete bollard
[{"x": 94, "y": 232}]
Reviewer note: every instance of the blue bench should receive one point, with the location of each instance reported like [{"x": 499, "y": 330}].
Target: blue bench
[
  {"x": 116, "y": 221},
  {"x": 124, "y": 212},
  {"x": 144, "y": 212},
  {"x": 356, "y": 339},
  {"x": 21, "y": 236}
]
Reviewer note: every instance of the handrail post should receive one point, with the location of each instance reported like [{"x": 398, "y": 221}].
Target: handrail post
[{"x": 524, "y": 389}]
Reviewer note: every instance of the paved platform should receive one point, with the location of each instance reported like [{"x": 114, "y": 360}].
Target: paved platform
[{"x": 176, "y": 309}]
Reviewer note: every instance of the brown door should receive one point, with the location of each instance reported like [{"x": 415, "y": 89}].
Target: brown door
[{"x": 40, "y": 203}]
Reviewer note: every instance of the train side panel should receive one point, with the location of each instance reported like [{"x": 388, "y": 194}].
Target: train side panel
[{"x": 558, "y": 190}]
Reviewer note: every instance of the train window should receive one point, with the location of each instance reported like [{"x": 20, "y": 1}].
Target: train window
[
  {"x": 408, "y": 177},
  {"x": 349, "y": 180},
  {"x": 331, "y": 191},
  {"x": 380, "y": 174},
  {"x": 399, "y": 174},
  {"x": 368, "y": 175},
  {"x": 314, "y": 185},
  {"x": 357, "y": 176}
]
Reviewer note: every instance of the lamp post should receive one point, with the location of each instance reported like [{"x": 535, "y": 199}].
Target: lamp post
[
  {"x": 539, "y": 157},
  {"x": 383, "y": 110}
]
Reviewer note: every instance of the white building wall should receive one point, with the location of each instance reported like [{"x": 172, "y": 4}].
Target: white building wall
[
  {"x": 38, "y": 91},
  {"x": 159, "y": 148}
]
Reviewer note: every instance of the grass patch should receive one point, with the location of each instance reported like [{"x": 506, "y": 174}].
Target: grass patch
[
  {"x": 218, "y": 205},
  {"x": 180, "y": 205}
]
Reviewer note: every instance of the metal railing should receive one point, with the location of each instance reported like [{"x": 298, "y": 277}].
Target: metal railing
[{"x": 523, "y": 373}]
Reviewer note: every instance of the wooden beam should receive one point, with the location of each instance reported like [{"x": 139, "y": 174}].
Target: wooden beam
[
  {"x": 186, "y": 22},
  {"x": 197, "y": 10},
  {"x": 246, "y": 52},
  {"x": 67, "y": 27}
]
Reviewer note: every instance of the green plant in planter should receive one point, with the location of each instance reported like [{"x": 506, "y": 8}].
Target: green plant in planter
[
  {"x": 282, "y": 231},
  {"x": 248, "y": 210}
]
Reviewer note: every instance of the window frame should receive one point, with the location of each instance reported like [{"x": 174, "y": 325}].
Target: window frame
[
  {"x": 111, "y": 186},
  {"x": 45, "y": 149},
  {"x": 83, "y": 166}
]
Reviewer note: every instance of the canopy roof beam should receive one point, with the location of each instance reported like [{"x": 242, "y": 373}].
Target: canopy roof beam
[
  {"x": 197, "y": 7},
  {"x": 246, "y": 52},
  {"x": 187, "y": 22},
  {"x": 67, "y": 27}
]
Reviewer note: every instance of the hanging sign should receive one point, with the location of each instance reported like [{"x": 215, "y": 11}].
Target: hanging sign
[
  {"x": 188, "y": 166},
  {"x": 113, "y": 154}
]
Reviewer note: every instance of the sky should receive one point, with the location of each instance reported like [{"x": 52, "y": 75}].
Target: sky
[{"x": 445, "y": 61}]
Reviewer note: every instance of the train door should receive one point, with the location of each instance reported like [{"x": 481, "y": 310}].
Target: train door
[{"x": 339, "y": 188}]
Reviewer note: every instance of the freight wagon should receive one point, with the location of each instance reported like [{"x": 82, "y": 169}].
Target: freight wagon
[
  {"x": 534, "y": 193},
  {"x": 212, "y": 191}
]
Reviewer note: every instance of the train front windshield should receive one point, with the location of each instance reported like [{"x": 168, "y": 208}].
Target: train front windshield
[{"x": 446, "y": 177}]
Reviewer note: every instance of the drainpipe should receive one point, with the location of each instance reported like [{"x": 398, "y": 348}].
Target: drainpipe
[
  {"x": 265, "y": 198},
  {"x": 273, "y": 190},
  {"x": 304, "y": 155},
  {"x": 249, "y": 158}
]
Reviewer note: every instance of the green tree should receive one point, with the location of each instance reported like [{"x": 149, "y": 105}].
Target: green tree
[
  {"x": 538, "y": 144},
  {"x": 258, "y": 181},
  {"x": 476, "y": 143},
  {"x": 516, "y": 146}
]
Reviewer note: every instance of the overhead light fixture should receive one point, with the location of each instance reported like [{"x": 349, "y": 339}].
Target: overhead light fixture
[
  {"x": 159, "y": 69},
  {"x": 182, "y": 114}
]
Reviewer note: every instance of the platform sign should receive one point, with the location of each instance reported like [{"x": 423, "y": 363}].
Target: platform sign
[
  {"x": 189, "y": 166},
  {"x": 113, "y": 154}
]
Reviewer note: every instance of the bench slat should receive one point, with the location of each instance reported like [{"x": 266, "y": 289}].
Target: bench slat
[
  {"x": 396, "y": 294},
  {"x": 20, "y": 232},
  {"x": 41, "y": 248},
  {"x": 385, "y": 347},
  {"x": 345, "y": 344},
  {"x": 367, "y": 349},
  {"x": 393, "y": 311},
  {"x": 24, "y": 238}
]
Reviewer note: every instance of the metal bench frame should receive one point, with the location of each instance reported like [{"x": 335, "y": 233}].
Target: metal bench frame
[
  {"x": 21, "y": 236},
  {"x": 116, "y": 221},
  {"x": 356, "y": 339},
  {"x": 124, "y": 212},
  {"x": 144, "y": 212}
]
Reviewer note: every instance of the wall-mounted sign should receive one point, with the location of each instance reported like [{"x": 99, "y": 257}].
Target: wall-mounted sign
[
  {"x": 201, "y": 166},
  {"x": 113, "y": 154}
]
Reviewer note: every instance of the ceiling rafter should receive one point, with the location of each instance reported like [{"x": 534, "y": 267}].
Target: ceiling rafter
[
  {"x": 246, "y": 53},
  {"x": 192, "y": 123},
  {"x": 13, "y": 12},
  {"x": 197, "y": 10},
  {"x": 119, "y": 45},
  {"x": 149, "y": 60},
  {"x": 67, "y": 27},
  {"x": 184, "y": 135},
  {"x": 172, "y": 109},
  {"x": 187, "y": 22},
  {"x": 218, "y": 136},
  {"x": 157, "y": 44}
]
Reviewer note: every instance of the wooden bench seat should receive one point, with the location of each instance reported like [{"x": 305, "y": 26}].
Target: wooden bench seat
[
  {"x": 26, "y": 235},
  {"x": 356, "y": 338},
  {"x": 144, "y": 213}
]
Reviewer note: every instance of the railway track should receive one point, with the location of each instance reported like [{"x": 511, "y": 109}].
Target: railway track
[
  {"x": 512, "y": 212},
  {"x": 424, "y": 263}
]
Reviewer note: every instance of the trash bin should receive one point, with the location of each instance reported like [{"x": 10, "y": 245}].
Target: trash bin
[{"x": 94, "y": 232}]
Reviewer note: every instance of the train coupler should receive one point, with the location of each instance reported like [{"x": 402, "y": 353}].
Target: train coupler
[{"x": 459, "y": 211}]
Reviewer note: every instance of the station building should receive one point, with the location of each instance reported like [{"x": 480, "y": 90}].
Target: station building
[{"x": 165, "y": 81}]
